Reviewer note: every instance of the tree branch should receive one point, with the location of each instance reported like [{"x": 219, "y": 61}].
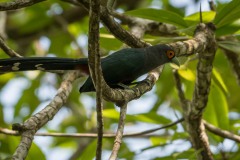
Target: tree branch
[
  {"x": 145, "y": 133},
  {"x": 221, "y": 132},
  {"x": 34, "y": 123},
  {"x": 119, "y": 135},
  {"x": 179, "y": 88},
  {"x": 193, "y": 115},
  {"x": 8, "y": 50},
  {"x": 17, "y": 4},
  {"x": 150, "y": 27},
  {"x": 234, "y": 59},
  {"x": 116, "y": 29},
  {"x": 95, "y": 67}
]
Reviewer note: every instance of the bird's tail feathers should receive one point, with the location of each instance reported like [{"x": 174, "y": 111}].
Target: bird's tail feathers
[{"x": 42, "y": 63}]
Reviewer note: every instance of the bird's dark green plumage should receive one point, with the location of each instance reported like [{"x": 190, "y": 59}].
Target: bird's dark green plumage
[{"x": 123, "y": 66}]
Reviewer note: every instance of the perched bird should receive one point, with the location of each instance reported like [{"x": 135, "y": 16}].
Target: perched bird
[{"x": 121, "y": 67}]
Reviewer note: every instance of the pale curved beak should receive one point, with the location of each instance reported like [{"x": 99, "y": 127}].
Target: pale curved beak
[{"x": 175, "y": 61}]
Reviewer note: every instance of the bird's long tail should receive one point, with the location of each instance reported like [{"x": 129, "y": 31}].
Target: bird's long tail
[{"x": 42, "y": 63}]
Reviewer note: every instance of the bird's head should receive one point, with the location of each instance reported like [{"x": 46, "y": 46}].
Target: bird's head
[
  {"x": 170, "y": 54},
  {"x": 164, "y": 54}
]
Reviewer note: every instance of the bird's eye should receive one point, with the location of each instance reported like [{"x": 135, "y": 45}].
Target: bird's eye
[{"x": 170, "y": 54}]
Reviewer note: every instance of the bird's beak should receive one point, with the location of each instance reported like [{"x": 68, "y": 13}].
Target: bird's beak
[{"x": 175, "y": 61}]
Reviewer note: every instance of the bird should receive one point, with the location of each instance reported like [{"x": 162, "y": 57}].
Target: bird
[{"x": 119, "y": 69}]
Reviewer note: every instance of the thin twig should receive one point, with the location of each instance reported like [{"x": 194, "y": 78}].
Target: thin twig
[
  {"x": 221, "y": 132},
  {"x": 179, "y": 87},
  {"x": 155, "y": 129},
  {"x": 145, "y": 133},
  {"x": 119, "y": 134},
  {"x": 8, "y": 50},
  {"x": 95, "y": 68}
]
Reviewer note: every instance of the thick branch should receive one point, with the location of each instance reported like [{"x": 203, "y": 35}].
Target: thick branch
[
  {"x": 204, "y": 71},
  {"x": 193, "y": 115},
  {"x": 192, "y": 46}
]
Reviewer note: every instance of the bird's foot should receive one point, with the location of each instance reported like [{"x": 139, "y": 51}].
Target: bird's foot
[
  {"x": 123, "y": 86},
  {"x": 147, "y": 81}
]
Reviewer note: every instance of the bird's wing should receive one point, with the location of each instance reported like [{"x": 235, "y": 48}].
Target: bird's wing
[{"x": 124, "y": 66}]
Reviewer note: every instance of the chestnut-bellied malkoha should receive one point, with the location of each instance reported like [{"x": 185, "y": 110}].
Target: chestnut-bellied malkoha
[{"x": 121, "y": 67}]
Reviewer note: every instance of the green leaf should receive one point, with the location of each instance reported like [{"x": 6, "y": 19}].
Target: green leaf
[
  {"x": 150, "y": 117},
  {"x": 89, "y": 151},
  {"x": 158, "y": 140},
  {"x": 195, "y": 18},
  {"x": 59, "y": 42},
  {"x": 231, "y": 28},
  {"x": 106, "y": 39},
  {"x": 228, "y": 14},
  {"x": 230, "y": 45},
  {"x": 111, "y": 113},
  {"x": 187, "y": 74},
  {"x": 188, "y": 31},
  {"x": 159, "y": 15},
  {"x": 217, "y": 78},
  {"x": 189, "y": 154},
  {"x": 227, "y": 29},
  {"x": 35, "y": 151},
  {"x": 179, "y": 135},
  {"x": 216, "y": 111}
]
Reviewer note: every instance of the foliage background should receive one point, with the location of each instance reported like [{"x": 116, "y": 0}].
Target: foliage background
[{"x": 55, "y": 28}]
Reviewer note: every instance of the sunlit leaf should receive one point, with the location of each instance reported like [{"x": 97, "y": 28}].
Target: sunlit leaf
[
  {"x": 158, "y": 140},
  {"x": 207, "y": 16},
  {"x": 179, "y": 135},
  {"x": 111, "y": 113},
  {"x": 187, "y": 74},
  {"x": 150, "y": 117},
  {"x": 159, "y": 15}
]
